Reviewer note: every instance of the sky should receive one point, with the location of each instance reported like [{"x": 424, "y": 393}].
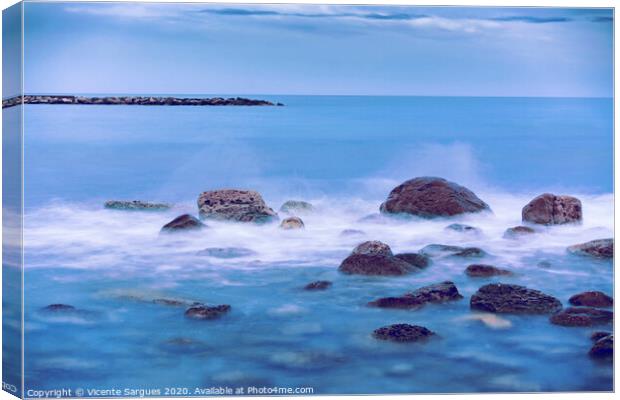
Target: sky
[{"x": 138, "y": 48}]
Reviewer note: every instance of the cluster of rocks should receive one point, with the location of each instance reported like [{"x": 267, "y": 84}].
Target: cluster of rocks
[{"x": 135, "y": 100}]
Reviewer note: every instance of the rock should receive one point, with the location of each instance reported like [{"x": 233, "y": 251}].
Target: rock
[
  {"x": 429, "y": 197},
  {"x": 603, "y": 348},
  {"x": 373, "y": 248},
  {"x": 484, "y": 271},
  {"x": 582, "y": 316},
  {"x": 364, "y": 264},
  {"x": 592, "y": 299},
  {"x": 601, "y": 248},
  {"x": 184, "y": 222},
  {"x": 226, "y": 252},
  {"x": 518, "y": 231},
  {"x": 170, "y": 302},
  {"x": 503, "y": 298},
  {"x": 206, "y": 312},
  {"x": 318, "y": 285},
  {"x": 352, "y": 232},
  {"x": 59, "y": 308},
  {"x": 463, "y": 228},
  {"x": 403, "y": 333},
  {"x": 135, "y": 205},
  {"x": 599, "y": 335},
  {"x": 550, "y": 209},
  {"x": 442, "y": 250},
  {"x": 292, "y": 223},
  {"x": 437, "y": 293},
  {"x": 296, "y": 207},
  {"x": 235, "y": 205},
  {"x": 415, "y": 259}
]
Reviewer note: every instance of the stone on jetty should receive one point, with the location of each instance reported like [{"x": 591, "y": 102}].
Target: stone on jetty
[
  {"x": 318, "y": 285},
  {"x": 551, "y": 209},
  {"x": 183, "y": 222},
  {"x": 206, "y": 312},
  {"x": 403, "y": 333},
  {"x": 292, "y": 223},
  {"x": 296, "y": 207},
  {"x": 235, "y": 205},
  {"x": 429, "y": 197},
  {"x": 592, "y": 299},
  {"x": 518, "y": 231},
  {"x": 415, "y": 259},
  {"x": 503, "y": 298},
  {"x": 582, "y": 316},
  {"x": 485, "y": 271},
  {"x": 437, "y": 293},
  {"x": 603, "y": 348},
  {"x": 135, "y": 205},
  {"x": 600, "y": 248}
]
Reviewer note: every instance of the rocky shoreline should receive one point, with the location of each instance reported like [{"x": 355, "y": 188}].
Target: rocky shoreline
[{"x": 135, "y": 101}]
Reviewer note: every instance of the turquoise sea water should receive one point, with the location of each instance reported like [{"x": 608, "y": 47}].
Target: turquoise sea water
[{"x": 343, "y": 154}]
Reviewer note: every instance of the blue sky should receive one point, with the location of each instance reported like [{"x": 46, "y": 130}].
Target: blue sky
[{"x": 321, "y": 49}]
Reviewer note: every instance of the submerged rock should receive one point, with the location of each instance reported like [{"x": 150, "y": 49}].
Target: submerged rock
[
  {"x": 437, "y": 250},
  {"x": 518, "y": 231},
  {"x": 429, "y": 197},
  {"x": 600, "y": 248},
  {"x": 599, "y": 335},
  {"x": 603, "y": 348},
  {"x": 468, "y": 252},
  {"x": 235, "y": 205},
  {"x": 550, "y": 209},
  {"x": 59, "y": 308},
  {"x": 135, "y": 205},
  {"x": 375, "y": 219},
  {"x": 292, "y": 223},
  {"x": 592, "y": 299},
  {"x": 184, "y": 222},
  {"x": 415, "y": 259},
  {"x": 169, "y": 302},
  {"x": 296, "y": 207},
  {"x": 582, "y": 316},
  {"x": 352, "y": 232},
  {"x": 318, "y": 285},
  {"x": 437, "y": 293},
  {"x": 207, "y": 312},
  {"x": 373, "y": 248},
  {"x": 463, "y": 228},
  {"x": 484, "y": 271},
  {"x": 504, "y": 298},
  {"x": 226, "y": 252},
  {"x": 403, "y": 333}
]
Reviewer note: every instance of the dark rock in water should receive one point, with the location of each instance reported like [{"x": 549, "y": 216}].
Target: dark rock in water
[
  {"x": 235, "y": 205},
  {"x": 206, "y": 312},
  {"x": 318, "y": 285},
  {"x": 582, "y": 316},
  {"x": 463, "y": 228},
  {"x": 437, "y": 293},
  {"x": 226, "y": 252},
  {"x": 592, "y": 299},
  {"x": 484, "y": 271},
  {"x": 601, "y": 248},
  {"x": 292, "y": 223},
  {"x": 467, "y": 252},
  {"x": 503, "y": 298},
  {"x": 599, "y": 335},
  {"x": 296, "y": 207},
  {"x": 184, "y": 222},
  {"x": 429, "y": 197},
  {"x": 373, "y": 248},
  {"x": 415, "y": 259},
  {"x": 352, "y": 232},
  {"x": 403, "y": 333},
  {"x": 59, "y": 308},
  {"x": 544, "y": 264},
  {"x": 135, "y": 205},
  {"x": 170, "y": 302},
  {"x": 603, "y": 348},
  {"x": 518, "y": 231},
  {"x": 550, "y": 209},
  {"x": 364, "y": 264},
  {"x": 436, "y": 250}
]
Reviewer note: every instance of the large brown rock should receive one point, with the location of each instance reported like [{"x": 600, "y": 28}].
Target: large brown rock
[
  {"x": 592, "y": 299},
  {"x": 430, "y": 197},
  {"x": 235, "y": 205},
  {"x": 550, "y": 209},
  {"x": 601, "y": 248},
  {"x": 503, "y": 298}
]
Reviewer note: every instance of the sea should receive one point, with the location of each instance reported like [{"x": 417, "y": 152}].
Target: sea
[{"x": 343, "y": 154}]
